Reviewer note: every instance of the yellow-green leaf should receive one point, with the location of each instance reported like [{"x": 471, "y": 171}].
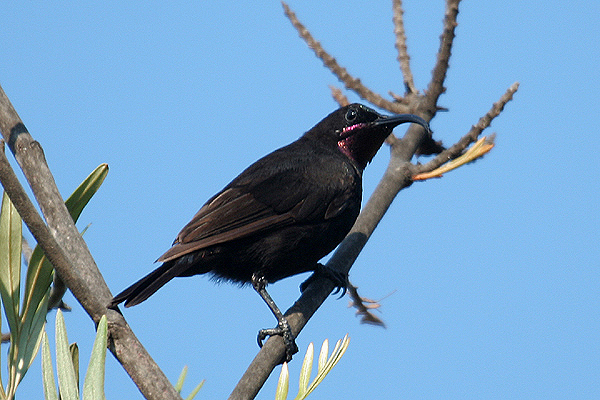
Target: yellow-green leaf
[
  {"x": 93, "y": 387},
  {"x": 67, "y": 382},
  {"x": 10, "y": 262},
  {"x": 283, "y": 383},
  {"x": 47, "y": 371}
]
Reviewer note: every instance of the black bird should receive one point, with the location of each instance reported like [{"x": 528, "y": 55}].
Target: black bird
[{"x": 281, "y": 215}]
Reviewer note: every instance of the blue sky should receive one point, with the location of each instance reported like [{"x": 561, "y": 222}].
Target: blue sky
[{"x": 494, "y": 269}]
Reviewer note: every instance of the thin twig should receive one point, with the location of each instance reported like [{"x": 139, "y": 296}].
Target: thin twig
[
  {"x": 457, "y": 149},
  {"x": 338, "y": 96},
  {"x": 403, "y": 57},
  {"x": 436, "y": 86},
  {"x": 342, "y": 74}
]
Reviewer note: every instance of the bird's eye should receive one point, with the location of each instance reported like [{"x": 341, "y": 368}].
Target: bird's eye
[{"x": 351, "y": 115}]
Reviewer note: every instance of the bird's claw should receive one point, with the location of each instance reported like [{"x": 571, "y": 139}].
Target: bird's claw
[
  {"x": 339, "y": 279},
  {"x": 283, "y": 329}
]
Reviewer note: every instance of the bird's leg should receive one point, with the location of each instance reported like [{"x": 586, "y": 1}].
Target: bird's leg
[
  {"x": 340, "y": 280},
  {"x": 283, "y": 327}
]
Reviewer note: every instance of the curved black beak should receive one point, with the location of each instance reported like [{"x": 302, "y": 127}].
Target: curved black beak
[{"x": 395, "y": 120}]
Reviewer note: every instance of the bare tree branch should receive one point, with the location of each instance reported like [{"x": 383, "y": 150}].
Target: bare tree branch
[
  {"x": 436, "y": 86},
  {"x": 471, "y": 136},
  {"x": 66, "y": 250},
  {"x": 342, "y": 74},
  {"x": 403, "y": 57},
  {"x": 338, "y": 96},
  {"x": 397, "y": 176}
]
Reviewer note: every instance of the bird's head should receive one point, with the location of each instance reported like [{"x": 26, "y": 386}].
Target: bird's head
[{"x": 359, "y": 131}]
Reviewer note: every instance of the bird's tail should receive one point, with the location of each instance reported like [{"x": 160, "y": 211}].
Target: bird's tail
[{"x": 149, "y": 284}]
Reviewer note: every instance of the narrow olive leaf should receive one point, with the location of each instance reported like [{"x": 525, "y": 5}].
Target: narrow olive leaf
[
  {"x": 39, "y": 277},
  {"x": 93, "y": 387},
  {"x": 195, "y": 391},
  {"x": 10, "y": 263},
  {"x": 2, "y": 393},
  {"x": 336, "y": 348},
  {"x": 180, "y": 381},
  {"x": 325, "y": 366},
  {"x": 340, "y": 348},
  {"x": 10, "y": 280},
  {"x": 336, "y": 355},
  {"x": 67, "y": 382},
  {"x": 306, "y": 369},
  {"x": 84, "y": 192},
  {"x": 29, "y": 339},
  {"x": 179, "y": 385},
  {"x": 3, "y": 252},
  {"x": 74, "y": 351},
  {"x": 47, "y": 372},
  {"x": 283, "y": 384},
  {"x": 35, "y": 329},
  {"x": 323, "y": 355}
]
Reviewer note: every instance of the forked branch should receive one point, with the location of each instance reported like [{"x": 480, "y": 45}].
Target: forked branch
[{"x": 399, "y": 174}]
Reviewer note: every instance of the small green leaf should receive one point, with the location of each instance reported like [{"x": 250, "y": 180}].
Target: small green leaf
[
  {"x": 2, "y": 394},
  {"x": 74, "y": 351},
  {"x": 29, "y": 339},
  {"x": 39, "y": 277},
  {"x": 195, "y": 391},
  {"x": 179, "y": 385},
  {"x": 93, "y": 387},
  {"x": 64, "y": 364},
  {"x": 283, "y": 384},
  {"x": 47, "y": 372},
  {"x": 84, "y": 192},
  {"x": 10, "y": 281},
  {"x": 306, "y": 369},
  {"x": 336, "y": 355},
  {"x": 325, "y": 365},
  {"x": 10, "y": 262},
  {"x": 323, "y": 355}
]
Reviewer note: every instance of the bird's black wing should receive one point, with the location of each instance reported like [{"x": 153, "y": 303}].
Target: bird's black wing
[{"x": 270, "y": 194}]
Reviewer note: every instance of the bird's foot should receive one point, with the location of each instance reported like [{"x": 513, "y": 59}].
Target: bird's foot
[
  {"x": 283, "y": 329},
  {"x": 339, "y": 279}
]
